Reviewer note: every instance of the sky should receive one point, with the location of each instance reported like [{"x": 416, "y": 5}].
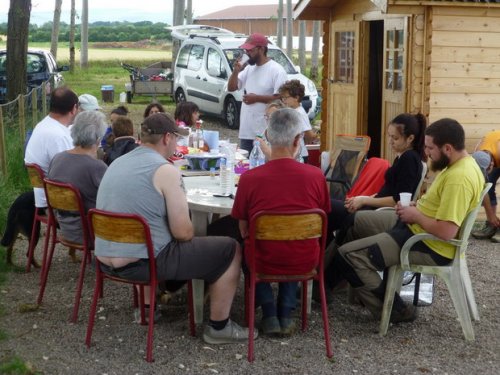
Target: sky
[{"x": 124, "y": 10}]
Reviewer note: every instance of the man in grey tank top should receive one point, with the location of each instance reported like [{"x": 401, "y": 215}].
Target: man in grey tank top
[{"x": 144, "y": 183}]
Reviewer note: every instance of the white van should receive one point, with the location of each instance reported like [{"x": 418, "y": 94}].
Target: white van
[{"x": 204, "y": 64}]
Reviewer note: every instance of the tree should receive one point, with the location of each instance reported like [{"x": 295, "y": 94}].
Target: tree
[
  {"x": 279, "y": 31},
  {"x": 17, "y": 47},
  {"x": 84, "y": 47},
  {"x": 189, "y": 12},
  {"x": 289, "y": 28},
  {"x": 315, "y": 49},
  {"x": 302, "y": 46},
  {"x": 55, "y": 28},
  {"x": 72, "y": 38}
]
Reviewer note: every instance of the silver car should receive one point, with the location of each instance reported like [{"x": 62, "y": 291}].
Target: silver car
[{"x": 204, "y": 64}]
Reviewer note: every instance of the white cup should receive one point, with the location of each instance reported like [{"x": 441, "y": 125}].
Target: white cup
[{"x": 405, "y": 199}]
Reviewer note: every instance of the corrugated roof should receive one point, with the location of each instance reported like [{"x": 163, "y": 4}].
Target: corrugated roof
[{"x": 245, "y": 12}]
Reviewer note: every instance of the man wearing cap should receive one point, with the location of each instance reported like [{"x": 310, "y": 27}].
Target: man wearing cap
[
  {"x": 51, "y": 135},
  {"x": 260, "y": 78},
  {"x": 144, "y": 183},
  {"x": 87, "y": 102},
  {"x": 488, "y": 152}
]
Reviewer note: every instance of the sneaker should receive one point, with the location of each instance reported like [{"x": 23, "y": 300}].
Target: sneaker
[
  {"x": 496, "y": 238},
  {"x": 407, "y": 314},
  {"x": 270, "y": 326},
  {"x": 288, "y": 326},
  {"x": 485, "y": 232},
  {"x": 137, "y": 315},
  {"x": 232, "y": 333}
]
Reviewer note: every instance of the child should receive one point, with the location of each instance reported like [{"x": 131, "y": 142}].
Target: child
[
  {"x": 186, "y": 115},
  {"x": 291, "y": 93},
  {"x": 124, "y": 141},
  {"x": 152, "y": 109}
]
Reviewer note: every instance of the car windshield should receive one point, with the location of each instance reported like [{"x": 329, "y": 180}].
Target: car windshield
[
  {"x": 35, "y": 63},
  {"x": 275, "y": 54}
]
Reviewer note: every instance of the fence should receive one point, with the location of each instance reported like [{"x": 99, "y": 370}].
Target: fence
[{"x": 18, "y": 117}]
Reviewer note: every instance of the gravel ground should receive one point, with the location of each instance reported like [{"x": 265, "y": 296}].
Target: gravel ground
[{"x": 432, "y": 344}]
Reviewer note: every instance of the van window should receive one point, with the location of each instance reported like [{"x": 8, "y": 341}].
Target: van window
[
  {"x": 196, "y": 57},
  {"x": 215, "y": 63},
  {"x": 182, "y": 59}
]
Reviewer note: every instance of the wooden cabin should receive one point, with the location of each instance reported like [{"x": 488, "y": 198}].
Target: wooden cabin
[{"x": 384, "y": 57}]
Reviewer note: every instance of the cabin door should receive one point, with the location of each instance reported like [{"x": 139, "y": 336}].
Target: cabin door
[
  {"x": 343, "y": 77},
  {"x": 394, "y": 80}
]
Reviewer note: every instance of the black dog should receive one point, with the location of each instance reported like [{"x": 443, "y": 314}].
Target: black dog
[{"x": 20, "y": 220}]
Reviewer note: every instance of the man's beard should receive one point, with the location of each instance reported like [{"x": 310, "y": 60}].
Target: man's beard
[
  {"x": 441, "y": 163},
  {"x": 251, "y": 61}
]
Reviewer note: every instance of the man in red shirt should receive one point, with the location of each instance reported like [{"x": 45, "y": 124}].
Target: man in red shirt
[{"x": 281, "y": 184}]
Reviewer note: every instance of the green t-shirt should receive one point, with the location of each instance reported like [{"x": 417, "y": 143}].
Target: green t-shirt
[{"x": 453, "y": 194}]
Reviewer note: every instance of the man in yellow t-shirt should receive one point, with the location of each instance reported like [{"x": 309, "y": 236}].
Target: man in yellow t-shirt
[
  {"x": 490, "y": 146},
  {"x": 379, "y": 235}
]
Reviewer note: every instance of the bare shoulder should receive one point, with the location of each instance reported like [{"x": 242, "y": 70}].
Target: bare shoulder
[{"x": 168, "y": 178}]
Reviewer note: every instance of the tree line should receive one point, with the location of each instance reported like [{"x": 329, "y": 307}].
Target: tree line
[{"x": 100, "y": 31}]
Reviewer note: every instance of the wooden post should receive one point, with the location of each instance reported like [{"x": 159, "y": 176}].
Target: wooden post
[
  {"x": 22, "y": 117},
  {"x": 44, "y": 100},
  {"x": 3, "y": 151},
  {"x": 34, "y": 106}
]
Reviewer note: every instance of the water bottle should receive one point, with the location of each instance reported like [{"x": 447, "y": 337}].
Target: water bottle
[
  {"x": 200, "y": 143},
  {"x": 224, "y": 181},
  {"x": 256, "y": 157}
]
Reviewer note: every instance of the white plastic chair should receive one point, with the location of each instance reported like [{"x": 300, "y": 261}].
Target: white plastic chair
[{"x": 455, "y": 275}]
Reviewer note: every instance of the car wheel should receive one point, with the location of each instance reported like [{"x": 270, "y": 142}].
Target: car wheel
[
  {"x": 232, "y": 113},
  {"x": 180, "y": 96}
]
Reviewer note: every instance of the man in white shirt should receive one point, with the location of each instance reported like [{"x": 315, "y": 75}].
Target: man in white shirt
[
  {"x": 51, "y": 135},
  {"x": 261, "y": 78}
]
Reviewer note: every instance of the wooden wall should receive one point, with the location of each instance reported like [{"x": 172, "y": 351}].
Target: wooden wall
[{"x": 465, "y": 69}]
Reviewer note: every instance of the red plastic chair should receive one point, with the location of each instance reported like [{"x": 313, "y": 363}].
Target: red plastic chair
[
  {"x": 286, "y": 226},
  {"x": 65, "y": 197},
  {"x": 36, "y": 176},
  {"x": 129, "y": 228}
]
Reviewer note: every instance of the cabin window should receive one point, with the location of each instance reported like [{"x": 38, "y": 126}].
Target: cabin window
[
  {"x": 344, "y": 56},
  {"x": 394, "y": 60}
]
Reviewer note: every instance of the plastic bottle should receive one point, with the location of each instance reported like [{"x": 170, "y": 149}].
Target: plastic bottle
[
  {"x": 198, "y": 137},
  {"x": 227, "y": 168},
  {"x": 256, "y": 157},
  {"x": 224, "y": 181}
]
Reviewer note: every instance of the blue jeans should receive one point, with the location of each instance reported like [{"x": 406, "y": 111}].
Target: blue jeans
[
  {"x": 493, "y": 177},
  {"x": 246, "y": 144},
  {"x": 287, "y": 295}
]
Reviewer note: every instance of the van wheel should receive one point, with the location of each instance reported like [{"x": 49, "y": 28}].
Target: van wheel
[
  {"x": 180, "y": 96},
  {"x": 232, "y": 114}
]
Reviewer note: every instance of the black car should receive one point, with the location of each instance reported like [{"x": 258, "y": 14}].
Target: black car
[{"x": 41, "y": 66}]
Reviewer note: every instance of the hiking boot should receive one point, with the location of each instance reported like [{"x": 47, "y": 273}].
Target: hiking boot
[
  {"x": 485, "y": 232},
  {"x": 230, "y": 334},
  {"x": 288, "y": 326},
  {"x": 270, "y": 326},
  {"x": 496, "y": 238},
  {"x": 407, "y": 314},
  {"x": 137, "y": 315}
]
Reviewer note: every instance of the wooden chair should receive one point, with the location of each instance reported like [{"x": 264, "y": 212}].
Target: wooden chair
[
  {"x": 133, "y": 229},
  {"x": 65, "y": 197},
  {"x": 286, "y": 226},
  {"x": 455, "y": 274},
  {"x": 347, "y": 157},
  {"x": 36, "y": 176}
]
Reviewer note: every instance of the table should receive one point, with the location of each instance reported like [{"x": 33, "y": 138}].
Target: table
[{"x": 202, "y": 204}]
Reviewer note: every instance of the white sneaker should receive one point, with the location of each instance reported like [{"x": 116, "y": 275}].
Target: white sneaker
[
  {"x": 230, "y": 334},
  {"x": 137, "y": 315}
]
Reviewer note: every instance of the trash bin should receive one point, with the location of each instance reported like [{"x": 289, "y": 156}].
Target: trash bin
[{"x": 108, "y": 93}]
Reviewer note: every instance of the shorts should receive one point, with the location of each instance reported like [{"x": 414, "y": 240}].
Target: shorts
[{"x": 204, "y": 258}]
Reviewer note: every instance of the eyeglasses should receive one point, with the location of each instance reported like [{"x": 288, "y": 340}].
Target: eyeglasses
[
  {"x": 283, "y": 98},
  {"x": 248, "y": 51}
]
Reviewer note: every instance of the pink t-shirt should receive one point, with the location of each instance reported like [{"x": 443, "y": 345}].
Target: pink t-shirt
[{"x": 284, "y": 185}]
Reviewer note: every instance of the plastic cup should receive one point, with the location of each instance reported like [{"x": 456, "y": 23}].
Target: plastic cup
[
  {"x": 405, "y": 199},
  {"x": 211, "y": 138}
]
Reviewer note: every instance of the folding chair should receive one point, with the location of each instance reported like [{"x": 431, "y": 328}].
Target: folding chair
[
  {"x": 133, "y": 229},
  {"x": 349, "y": 153},
  {"x": 371, "y": 178},
  {"x": 65, "y": 197},
  {"x": 286, "y": 226},
  {"x": 36, "y": 176},
  {"x": 455, "y": 274}
]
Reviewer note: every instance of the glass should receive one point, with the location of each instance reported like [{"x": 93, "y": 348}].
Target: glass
[
  {"x": 283, "y": 98},
  {"x": 344, "y": 56}
]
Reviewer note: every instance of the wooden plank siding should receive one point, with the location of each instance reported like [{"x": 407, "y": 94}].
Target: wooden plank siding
[{"x": 465, "y": 69}]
